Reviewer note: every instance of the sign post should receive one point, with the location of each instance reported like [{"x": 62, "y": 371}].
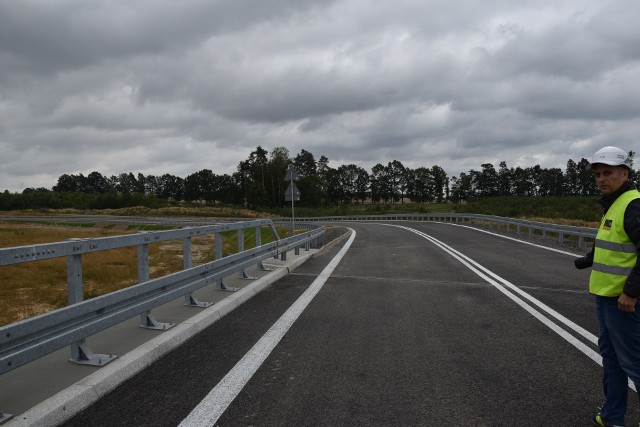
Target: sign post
[{"x": 292, "y": 194}]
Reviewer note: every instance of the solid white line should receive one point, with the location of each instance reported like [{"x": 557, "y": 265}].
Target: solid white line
[
  {"x": 580, "y": 330},
  {"x": 217, "y": 401},
  {"x": 513, "y": 238},
  {"x": 479, "y": 269},
  {"x": 489, "y": 277}
]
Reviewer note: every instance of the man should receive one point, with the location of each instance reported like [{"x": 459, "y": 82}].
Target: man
[{"x": 615, "y": 281}]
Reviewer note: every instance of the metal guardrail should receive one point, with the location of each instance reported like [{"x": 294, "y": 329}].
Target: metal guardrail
[
  {"x": 27, "y": 340},
  {"x": 532, "y": 228}
]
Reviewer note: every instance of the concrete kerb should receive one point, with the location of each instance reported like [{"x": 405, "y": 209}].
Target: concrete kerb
[{"x": 74, "y": 399}]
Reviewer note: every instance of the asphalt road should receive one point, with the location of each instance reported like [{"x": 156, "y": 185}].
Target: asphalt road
[{"x": 431, "y": 324}]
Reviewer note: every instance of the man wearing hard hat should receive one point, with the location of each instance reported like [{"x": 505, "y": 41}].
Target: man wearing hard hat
[{"x": 615, "y": 281}]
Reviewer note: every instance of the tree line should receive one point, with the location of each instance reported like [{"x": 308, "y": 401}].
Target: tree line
[{"x": 259, "y": 183}]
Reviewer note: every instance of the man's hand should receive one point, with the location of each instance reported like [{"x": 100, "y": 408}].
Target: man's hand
[
  {"x": 627, "y": 303},
  {"x": 583, "y": 262}
]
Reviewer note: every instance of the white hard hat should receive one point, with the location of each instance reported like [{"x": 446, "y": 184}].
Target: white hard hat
[{"x": 612, "y": 156}]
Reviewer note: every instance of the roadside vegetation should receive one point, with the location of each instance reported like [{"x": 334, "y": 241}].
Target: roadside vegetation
[
  {"x": 261, "y": 181},
  {"x": 560, "y": 210}
]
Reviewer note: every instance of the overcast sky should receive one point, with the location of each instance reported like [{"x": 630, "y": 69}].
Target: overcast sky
[{"x": 170, "y": 86}]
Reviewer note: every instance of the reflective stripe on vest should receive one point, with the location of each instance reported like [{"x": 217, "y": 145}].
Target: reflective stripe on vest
[
  {"x": 615, "y": 254},
  {"x": 618, "y": 247}
]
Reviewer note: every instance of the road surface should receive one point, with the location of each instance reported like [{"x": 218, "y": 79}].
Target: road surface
[{"x": 404, "y": 323}]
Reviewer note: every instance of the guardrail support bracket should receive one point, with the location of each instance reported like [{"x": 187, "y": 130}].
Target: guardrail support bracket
[
  {"x": 82, "y": 355},
  {"x": 191, "y": 301},
  {"x": 245, "y": 276},
  {"x": 147, "y": 321},
  {"x": 262, "y": 267},
  {"x": 222, "y": 287}
]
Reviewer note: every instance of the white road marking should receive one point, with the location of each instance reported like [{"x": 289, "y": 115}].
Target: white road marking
[
  {"x": 217, "y": 401},
  {"x": 502, "y": 285},
  {"x": 512, "y": 238}
]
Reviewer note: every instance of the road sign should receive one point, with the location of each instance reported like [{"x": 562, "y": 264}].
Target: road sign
[
  {"x": 292, "y": 193},
  {"x": 291, "y": 175}
]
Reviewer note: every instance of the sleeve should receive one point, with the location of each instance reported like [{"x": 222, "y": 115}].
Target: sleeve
[{"x": 632, "y": 228}]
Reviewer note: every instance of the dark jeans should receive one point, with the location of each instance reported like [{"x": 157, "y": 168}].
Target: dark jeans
[{"x": 619, "y": 343}]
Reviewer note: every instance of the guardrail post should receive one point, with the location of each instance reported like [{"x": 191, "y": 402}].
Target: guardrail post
[
  {"x": 74, "y": 279},
  {"x": 187, "y": 262},
  {"x": 143, "y": 263},
  {"x": 260, "y": 265},
  {"x": 217, "y": 251},
  {"x": 147, "y": 321},
  {"x": 218, "y": 255},
  {"x": 80, "y": 351},
  {"x": 296, "y": 249},
  {"x": 243, "y": 274}
]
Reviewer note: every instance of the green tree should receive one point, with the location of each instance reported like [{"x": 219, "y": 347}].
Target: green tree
[
  {"x": 396, "y": 173},
  {"x": 440, "y": 183},
  {"x": 279, "y": 162},
  {"x": 381, "y": 189},
  {"x": 486, "y": 181},
  {"x": 522, "y": 184},
  {"x": 421, "y": 185},
  {"x": 67, "y": 184},
  {"x": 171, "y": 187},
  {"x": 98, "y": 184},
  {"x": 305, "y": 164},
  {"x": 309, "y": 182},
  {"x": 462, "y": 187},
  {"x": 551, "y": 182},
  {"x": 504, "y": 179},
  {"x": 586, "y": 183},
  {"x": 571, "y": 180}
]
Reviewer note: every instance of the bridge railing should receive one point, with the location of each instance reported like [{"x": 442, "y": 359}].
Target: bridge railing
[
  {"x": 27, "y": 340},
  {"x": 562, "y": 233}
]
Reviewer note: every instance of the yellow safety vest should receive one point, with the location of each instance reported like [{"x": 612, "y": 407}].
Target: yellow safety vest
[{"x": 615, "y": 254}]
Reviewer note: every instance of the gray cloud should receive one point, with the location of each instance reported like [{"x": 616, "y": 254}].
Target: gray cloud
[{"x": 175, "y": 87}]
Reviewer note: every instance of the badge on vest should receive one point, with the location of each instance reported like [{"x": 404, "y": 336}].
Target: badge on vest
[{"x": 607, "y": 224}]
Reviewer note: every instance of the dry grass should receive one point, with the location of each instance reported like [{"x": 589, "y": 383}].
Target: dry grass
[
  {"x": 34, "y": 288},
  {"x": 174, "y": 211},
  {"x": 30, "y": 289}
]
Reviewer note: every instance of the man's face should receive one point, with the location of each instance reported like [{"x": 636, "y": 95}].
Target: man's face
[{"x": 609, "y": 178}]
